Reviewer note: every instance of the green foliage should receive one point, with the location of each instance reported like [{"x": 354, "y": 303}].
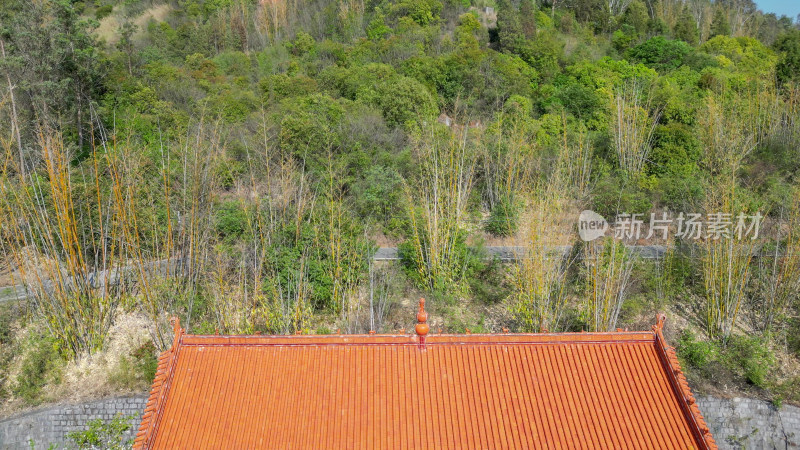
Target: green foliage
[
  {"x": 304, "y": 44},
  {"x": 679, "y": 192},
  {"x": 686, "y": 27},
  {"x": 103, "y": 11},
  {"x": 719, "y": 24},
  {"x": 592, "y": 12},
  {"x": 696, "y": 354},
  {"x": 462, "y": 262},
  {"x": 581, "y": 101},
  {"x": 488, "y": 281},
  {"x": 661, "y": 54},
  {"x": 623, "y": 38},
  {"x": 503, "y": 218},
  {"x": 750, "y": 356},
  {"x": 231, "y": 220},
  {"x": 676, "y": 150},
  {"x": 461, "y": 325},
  {"x": 401, "y": 100},
  {"x": 788, "y": 46},
  {"x": 377, "y": 28},
  {"x": 278, "y": 87},
  {"x": 102, "y": 434},
  {"x": 423, "y": 12},
  {"x": 137, "y": 370},
  {"x": 41, "y": 364},
  {"x": 309, "y": 125},
  {"x": 233, "y": 63},
  {"x": 233, "y": 104},
  {"x": 636, "y": 16},
  {"x": 743, "y": 55},
  {"x": 746, "y": 356},
  {"x": 378, "y": 193},
  {"x": 614, "y": 195}
]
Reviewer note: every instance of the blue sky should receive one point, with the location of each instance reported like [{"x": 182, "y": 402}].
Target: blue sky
[{"x": 789, "y": 8}]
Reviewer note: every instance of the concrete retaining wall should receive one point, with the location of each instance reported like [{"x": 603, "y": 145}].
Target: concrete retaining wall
[
  {"x": 50, "y": 426},
  {"x": 738, "y": 423},
  {"x": 743, "y": 423}
]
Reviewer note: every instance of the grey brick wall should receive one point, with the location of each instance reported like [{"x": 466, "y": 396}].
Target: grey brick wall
[
  {"x": 50, "y": 426},
  {"x": 743, "y": 423},
  {"x": 738, "y": 423}
]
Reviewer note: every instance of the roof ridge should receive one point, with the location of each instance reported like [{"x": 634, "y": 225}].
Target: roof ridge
[
  {"x": 681, "y": 386},
  {"x": 155, "y": 402}
]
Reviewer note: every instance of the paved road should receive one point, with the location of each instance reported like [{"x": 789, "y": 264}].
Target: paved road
[
  {"x": 505, "y": 254},
  {"x": 96, "y": 280},
  {"x": 514, "y": 253}
]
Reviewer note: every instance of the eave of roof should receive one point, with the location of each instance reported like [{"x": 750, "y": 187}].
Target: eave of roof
[{"x": 168, "y": 361}]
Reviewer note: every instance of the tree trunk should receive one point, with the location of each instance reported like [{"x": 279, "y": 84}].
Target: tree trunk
[
  {"x": 78, "y": 118},
  {"x": 14, "y": 118}
]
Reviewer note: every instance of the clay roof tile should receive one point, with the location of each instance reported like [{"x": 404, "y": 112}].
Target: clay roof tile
[{"x": 607, "y": 390}]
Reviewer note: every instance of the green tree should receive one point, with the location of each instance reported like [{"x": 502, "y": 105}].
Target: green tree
[
  {"x": 719, "y": 24},
  {"x": 686, "y": 27},
  {"x": 510, "y": 36},
  {"x": 660, "y": 53},
  {"x": 527, "y": 12},
  {"x": 788, "y": 45},
  {"x": 404, "y": 100},
  {"x": 636, "y": 16},
  {"x": 62, "y": 64},
  {"x": 595, "y": 12}
]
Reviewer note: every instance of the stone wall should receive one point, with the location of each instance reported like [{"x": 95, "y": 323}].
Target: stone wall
[
  {"x": 50, "y": 426},
  {"x": 737, "y": 423},
  {"x": 743, "y": 423}
]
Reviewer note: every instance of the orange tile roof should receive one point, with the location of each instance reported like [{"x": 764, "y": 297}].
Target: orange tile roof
[{"x": 569, "y": 390}]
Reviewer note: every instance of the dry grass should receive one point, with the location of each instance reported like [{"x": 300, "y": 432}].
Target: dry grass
[
  {"x": 88, "y": 378},
  {"x": 110, "y": 25}
]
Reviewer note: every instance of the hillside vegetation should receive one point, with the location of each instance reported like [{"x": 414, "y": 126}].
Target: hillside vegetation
[{"x": 235, "y": 163}]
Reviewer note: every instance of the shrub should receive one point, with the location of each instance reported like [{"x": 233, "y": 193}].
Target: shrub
[
  {"x": 404, "y": 100},
  {"x": 231, "y": 220},
  {"x": 422, "y": 12},
  {"x": 309, "y": 126},
  {"x": 303, "y": 44},
  {"x": 282, "y": 86},
  {"x": 504, "y": 218},
  {"x": 613, "y": 196},
  {"x": 788, "y": 45},
  {"x": 101, "y": 434},
  {"x": 103, "y": 12},
  {"x": 236, "y": 64},
  {"x": 661, "y": 54},
  {"x": 137, "y": 370},
  {"x": 679, "y": 192},
  {"x": 750, "y": 357},
  {"x": 675, "y": 150},
  {"x": 234, "y": 105},
  {"x": 696, "y": 354},
  {"x": 41, "y": 365},
  {"x": 378, "y": 193}
]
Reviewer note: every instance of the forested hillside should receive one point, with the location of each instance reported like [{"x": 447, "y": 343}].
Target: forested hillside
[{"x": 236, "y": 163}]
